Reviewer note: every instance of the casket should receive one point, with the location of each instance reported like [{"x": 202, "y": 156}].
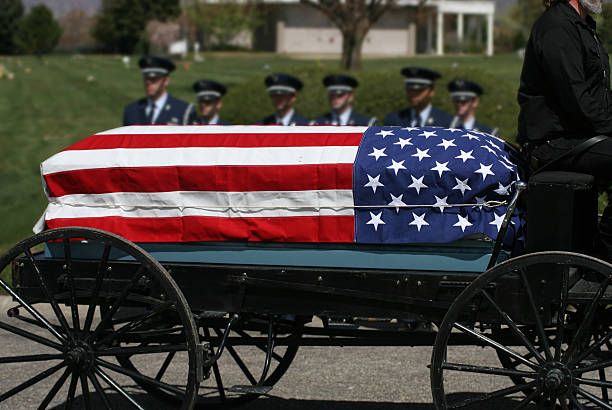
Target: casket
[{"x": 283, "y": 184}]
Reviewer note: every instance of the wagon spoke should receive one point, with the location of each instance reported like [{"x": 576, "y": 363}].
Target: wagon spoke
[
  {"x": 592, "y": 382},
  {"x": 493, "y": 395},
  {"x": 216, "y": 371},
  {"x": 575, "y": 401},
  {"x": 130, "y": 351},
  {"x": 244, "y": 334},
  {"x": 105, "y": 321},
  {"x": 604, "y": 340},
  {"x": 118, "y": 389},
  {"x": 604, "y": 390},
  {"x": 591, "y": 398},
  {"x": 31, "y": 358},
  {"x": 58, "y": 384},
  {"x": 29, "y": 335},
  {"x": 536, "y": 314},
  {"x": 98, "y": 388},
  {"x": 43, "y": 284},
  {"x": 487, "y": 370},
  {"x": 33, "y": 312},
  {"x": 95, "y": 294},
  {"x": 72, "y": 390},
  {"x": 561, "y": 313},
  {"x": 596, "y": 366},
  {"x": 241, "y": 364},
  {"x": 73, "y": 303},
  {"x": 238, "y": 361},
  {"x": 514, "y": 328},
  {"x": 586, "y": 322},
  {"x": 525, "y": 402},
  {"x": 85, "y": 390},
  {"x": 136, "y": 375},
  {"x": 165, "y": 365},
  {"x": 135, "y": 324},
  {"x": 496, "y": 345},
  {"x": 32, "y": 381}
]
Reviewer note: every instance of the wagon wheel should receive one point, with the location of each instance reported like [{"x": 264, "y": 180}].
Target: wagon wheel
[
  {"x": 565, "y": 365},
  {"x": 55, "y": 313},
  {"x": 240, "y": 364}
]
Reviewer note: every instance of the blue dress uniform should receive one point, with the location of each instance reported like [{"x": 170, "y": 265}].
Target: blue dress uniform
[
  {"x": 283, "y": 84},
  {"x": 340, "y": 84},
  {"x": 174, "y": 111},
  {"x": 418, "y": 78},
  {"x": 209, "y": 90},
  {"x": 464, "y": 90}
]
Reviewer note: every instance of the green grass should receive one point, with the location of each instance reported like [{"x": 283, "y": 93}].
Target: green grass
[{"x": 54, "y": 105}]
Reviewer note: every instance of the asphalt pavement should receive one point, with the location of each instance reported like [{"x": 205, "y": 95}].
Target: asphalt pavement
[{"x": 343, "y": 378}]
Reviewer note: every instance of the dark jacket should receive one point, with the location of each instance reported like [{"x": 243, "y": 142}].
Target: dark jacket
[
  {"x": 354, "y": 119},
  {"x": 175, "y": 112},
  {"x": 296, "y": 119},
  {"x": 437, "y": 118},
  {"x": 565, "y": 83}
]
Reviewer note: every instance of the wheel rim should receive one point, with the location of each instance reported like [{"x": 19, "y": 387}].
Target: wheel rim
[
  {"x": 529, "y": 295},
  {"x": 240, "y": 363},
  {"x": 57, "y": 311}
]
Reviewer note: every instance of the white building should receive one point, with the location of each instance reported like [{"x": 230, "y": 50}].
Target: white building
[{"x": 295, "y": 28}]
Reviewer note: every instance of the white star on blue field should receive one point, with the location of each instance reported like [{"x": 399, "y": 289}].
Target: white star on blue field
[{"x": 432, "y": 185}]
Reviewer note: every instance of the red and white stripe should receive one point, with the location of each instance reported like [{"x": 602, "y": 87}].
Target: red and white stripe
[{"x": 201, "y": 183}]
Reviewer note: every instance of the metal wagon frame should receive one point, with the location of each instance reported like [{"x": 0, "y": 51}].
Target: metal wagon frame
[{"x": 545, "y": 314}]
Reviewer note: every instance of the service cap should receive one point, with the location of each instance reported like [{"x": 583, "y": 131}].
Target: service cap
[
  {"x": 280, "y": 83},
  {"x": 152, "y": 66},
  {"x": 340, "y": 83},
  {"x": 418, "y": 77},
  {"x": 208, "y": 90},
  {"x": 464, "y": 90}
]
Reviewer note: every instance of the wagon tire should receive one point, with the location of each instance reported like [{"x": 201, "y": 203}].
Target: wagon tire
[
  {"x": 561, "y": 366},
  {"x": 57, "y": 294}
]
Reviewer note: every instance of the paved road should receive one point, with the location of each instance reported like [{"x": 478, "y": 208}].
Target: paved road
[{"x": 362, "y": 378}]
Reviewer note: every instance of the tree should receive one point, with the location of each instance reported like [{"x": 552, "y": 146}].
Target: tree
[
  {"x": 522, "y": 15},
  {"x": 223, "y": 21},
  {"x": 604, "y": 27},
  {"x": 37, "y": 32},
  {"x": 121, "y": 24},
  {"x": 10, "y": 13},
  {"x": 354, "y": 18}
]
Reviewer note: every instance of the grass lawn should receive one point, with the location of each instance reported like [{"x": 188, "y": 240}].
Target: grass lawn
[{"x": 50, "y": 104}]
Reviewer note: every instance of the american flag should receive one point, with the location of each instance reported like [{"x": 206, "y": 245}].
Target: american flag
[{"x": 285, "y": 184}]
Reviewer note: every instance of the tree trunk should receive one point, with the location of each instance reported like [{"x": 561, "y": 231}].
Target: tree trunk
[{"x": 352, "y": 42}]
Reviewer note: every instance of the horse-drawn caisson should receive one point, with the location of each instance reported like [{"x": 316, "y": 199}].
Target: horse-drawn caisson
[{"x": 168, "y": 254}]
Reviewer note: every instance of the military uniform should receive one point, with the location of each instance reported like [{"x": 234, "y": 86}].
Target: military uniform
[
  {"x": 173, "y": 111},
  {"x": 278, "y": 84},
  {"x": 213, "y": 91},
  {"x": 418, "y": 78},
  {"x": 340, "y": 84},
  {"x": 464, "y": 90}
]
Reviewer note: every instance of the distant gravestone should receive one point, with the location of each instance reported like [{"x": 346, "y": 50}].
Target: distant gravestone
[
  {"x": 178, "y": 48},
  {"x": 126, "y": 61},
  {"x": 196, "y": 52}
]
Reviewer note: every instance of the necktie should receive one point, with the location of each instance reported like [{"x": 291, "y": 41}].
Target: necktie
[{"x": 151, "y": 113}]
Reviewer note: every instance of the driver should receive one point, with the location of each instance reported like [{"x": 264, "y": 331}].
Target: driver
[{"x": 565, "y": 96}]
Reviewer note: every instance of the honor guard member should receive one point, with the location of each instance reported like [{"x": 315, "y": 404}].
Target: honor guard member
[
  {"x": 158, "y": 107},
  {"x": 283, "y": 89},
  {"x": 420, "y": 90},
  {"x": 340, "y": 94},
  {"x": 210, "y": 100},
  {"x": 466, "y": 97}
]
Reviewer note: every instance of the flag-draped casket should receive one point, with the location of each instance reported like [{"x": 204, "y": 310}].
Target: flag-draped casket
[{"x": 287, "y": 184}]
